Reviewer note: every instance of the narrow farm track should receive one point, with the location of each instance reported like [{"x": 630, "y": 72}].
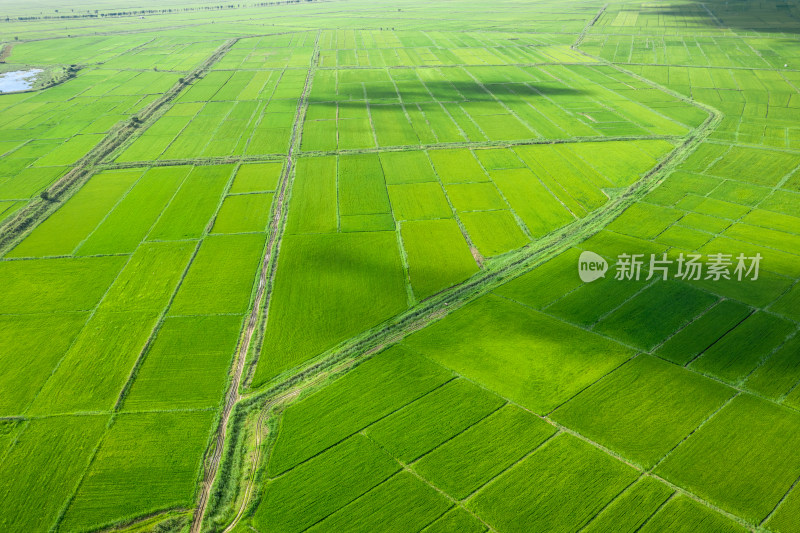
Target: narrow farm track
[
  {"x": 26, "y": 219},
  {"x": 588, "y": 27},
  {"x": 250, "y": 483},
  {"x": 265, "y": 278}
]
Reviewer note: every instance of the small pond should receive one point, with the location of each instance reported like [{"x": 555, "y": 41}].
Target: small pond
[{"x": 18, "y": 80}]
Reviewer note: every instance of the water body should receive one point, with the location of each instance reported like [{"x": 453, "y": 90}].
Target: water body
[{"x": 18, "y": 80}]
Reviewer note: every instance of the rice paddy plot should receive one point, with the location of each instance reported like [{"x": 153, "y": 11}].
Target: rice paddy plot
[
  {"x": 665, "y": 305},
  {"x": 193, "y": 205},
  {"x": 340, "y": 283},
  {"x": 445, "y": 412},
  {"x": 186, "y": 365},
  {"x": 493, "y": 232},
  {"x": 374, "y": 389},
  {"x": 438, "y": 255},
  {"x": 521, "y": 354},
  {"x": 669, "y": 400},
  {"x": 60, "y": 284},
  {"x": 136, "y": 471},
  {"x": 214, "y": 283},
  {"x": 472, "y": 458},
  {"x": 61, "y": 446},
  {"x": 106, "y": 350},
  {"x": 243, "y": 213},
  {"x": 62, "y": 232},
  {"x": 28, "y": 357},
  {"x": 402, "y": 503},
  {"x": 560, "y": 486},
  {"x": 633, "y": 508},
  {"x": 749, "y": 478}
]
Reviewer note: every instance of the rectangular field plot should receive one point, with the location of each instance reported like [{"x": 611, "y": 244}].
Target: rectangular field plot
[
  {"x": 98, "y": 364},
  {"x": 574, "y": 182},
  {"x": 646, "y": 392},
  {"x": 329, "y": 481},
  {"x": 633, "y": 508},
  {"x": 130, "y": 220},
  {"x": 188, "y": 214},
  {"x": 150, "y": 278},
  {"x": 545, "y": 283},
  {"x": 50, "y": 285},
  {"x": 645, "y": 221},
  {"x": 438, "y": 255},
  {"x": 406, "y": 167},
  {"x": 657, "y": 312},
  {"x": 187, "y": 364},
  {"x": 772, "y": 165},
  {"x": 475, "y": 197},
  {"x": 366, "y": 223},
  {"x": 28, "y": 182},
  {"x": 256, "y": 177},
  {"x": 403, "y": 503},
  {"x": 425, "y": 424},
  {"x": 146, "y": 463},
  {"x": 374, "y": 389},
  {"x": 463, "y": 464},
  {"x": 743, "y": 348},
  {"x": 30, "y": 348},
  {"x": 314, "y": 207},
  {"x": 493, "y": 232},
  {"x": 63, "y": 448},
  {"x": 64, "y": 230},
  {"x": 525, "y": 356},
  {"x": 697, "y": 336},
  {"x": 780, "y": 373},
  {"x": 457, "y": 166},
  {"x": 419, "y": 201},
  {"x": 750, "y": 477},
  {"x": 362, "y": 189},
  {"x": 532, "y": 201},
  {"x": 69, "y": 152},
  {"x": 788, "y": 304},
  {"x": 560, "y": 486},
  {"x": 243, "y": 213},
  {"x": 620, "y": 162},
  {"x": 221, "y": 277},
  {"x": 343, "y": 283}
]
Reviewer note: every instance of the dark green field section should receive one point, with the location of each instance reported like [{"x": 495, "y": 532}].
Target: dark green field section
[{"x": 313, "y": 267}]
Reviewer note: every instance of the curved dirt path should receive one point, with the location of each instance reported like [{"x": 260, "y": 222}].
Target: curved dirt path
[{"x": 267, "y": 266}]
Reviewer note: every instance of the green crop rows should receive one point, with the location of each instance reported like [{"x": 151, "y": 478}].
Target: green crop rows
[{"x": 284, "y": 266}]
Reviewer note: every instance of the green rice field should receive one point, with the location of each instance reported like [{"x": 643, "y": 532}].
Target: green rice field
[{"x": 400, "y": 266}]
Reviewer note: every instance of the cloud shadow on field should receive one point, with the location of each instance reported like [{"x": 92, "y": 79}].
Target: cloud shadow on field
[
  {"x": 776, "y": 16},
  {"x": 385, "y": 93}
]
